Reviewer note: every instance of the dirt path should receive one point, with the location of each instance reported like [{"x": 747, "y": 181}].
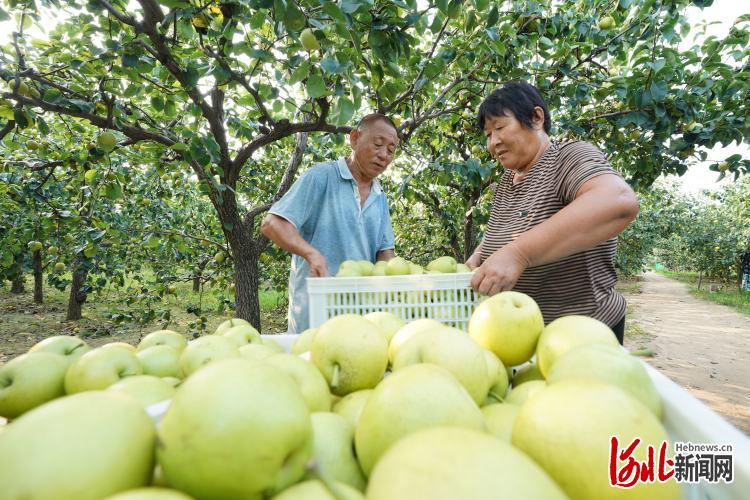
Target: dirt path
[{"x": 702, "y": 346}]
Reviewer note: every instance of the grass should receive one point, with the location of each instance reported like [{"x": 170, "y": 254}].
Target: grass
[
  {"x": 729, "y": 295},
  {"x": 23, "y": 323}
]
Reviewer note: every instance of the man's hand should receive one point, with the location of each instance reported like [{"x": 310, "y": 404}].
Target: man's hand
[
  {"x": 500, "y": 271},
  {"x": 318, "y": 264}
]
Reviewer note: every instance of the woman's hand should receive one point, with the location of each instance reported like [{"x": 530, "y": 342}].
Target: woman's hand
[
  {"x": 500, "y": 271},
  {"x": 474, "y": 261}
]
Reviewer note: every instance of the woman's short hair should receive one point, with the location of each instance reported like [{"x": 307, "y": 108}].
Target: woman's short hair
[{"x": 520, "y": 98}]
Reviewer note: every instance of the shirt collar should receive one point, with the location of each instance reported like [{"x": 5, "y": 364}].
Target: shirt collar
[{"x": 345, "y": 173}]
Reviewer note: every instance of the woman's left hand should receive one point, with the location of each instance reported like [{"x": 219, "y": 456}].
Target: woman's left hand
[{"x": 500, "y": 271}]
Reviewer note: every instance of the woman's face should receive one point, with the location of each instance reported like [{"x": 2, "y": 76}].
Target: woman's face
[{"x": 513, "y": 145}]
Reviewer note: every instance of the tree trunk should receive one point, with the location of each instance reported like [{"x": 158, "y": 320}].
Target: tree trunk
[
  {"x": 17, "y": 283},
  {"x": 246, "y": 283},
  {"x": 77, "y": 295},
  {"x": 469, "y": 237},
  {"x": 197, "y": 284},
  {"x": 700, "y": 279},
  {"x": 38, "y": 288}
]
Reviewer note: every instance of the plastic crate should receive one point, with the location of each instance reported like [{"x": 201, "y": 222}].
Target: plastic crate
[
  {"x": 448, "y": 298},
  {"x": 685, "y": 419}
]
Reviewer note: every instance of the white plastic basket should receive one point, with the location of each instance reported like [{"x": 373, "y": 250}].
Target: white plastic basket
[{"x": 448, "y": 298}]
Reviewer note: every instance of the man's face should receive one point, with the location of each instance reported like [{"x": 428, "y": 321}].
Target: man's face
[{"x": 374, "y": 147}]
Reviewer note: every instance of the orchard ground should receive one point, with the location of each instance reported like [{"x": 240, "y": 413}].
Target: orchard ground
[
  {"x": 24, "y": 323},
  {"x": 702, "y": 346}
]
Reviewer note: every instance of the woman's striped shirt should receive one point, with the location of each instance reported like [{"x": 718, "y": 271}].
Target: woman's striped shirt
[{"x": 582, "y": 283}]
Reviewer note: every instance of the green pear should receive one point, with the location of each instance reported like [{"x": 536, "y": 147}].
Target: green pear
[
  {"x": 310, "y": 381},
  {"x": 163, "y": 337},
  {"x": 173, "y": 381},
  {"x": 350, "y": 406},
  {"x": 235, "y": 429},
  {"x": 407, "y": 331},
  {"x": 150, "y": 493},
  {"x": 146, "y": 389},
  {"x": 498, "y": 378},
  {"x": 242, "y": 334},
  {"x": 397, "y": 266},
  {"x": 71, "y": 348},
  {"x": 577, "y": 418},
  {"x": 443, "y": 265},
  {"x": 444, "y": 463},
  {"x": 413, "y": 398},
  {"x": 415, "y": 268},
  {"x": 30, "y": 380},
  {"x": 366, "y": 267},
  {"x": 522, "y": 393},
  {"x": 316, "y": 490},
  {"x": 256, "y": 352},
  {"x": 567, "y": 332},
  {"x": 349, "y": 268},
  {"x": 379, "y": 269},
  {"x": 119, "y": 345},
  {"x": 100, "y": 368},
  {"x": 508, "y": 324},
  {"x": 388, "y": 323},
  {"x": 84, "y": 446},
  {"x": 499, "y": 418},
  {"x": 302, "y": 342},
  {"x": 348, "y": 272},
  {"x": 160, "y": 360},
  {"x": 226, "y": 325},
  {"x": 272, "y": 344},
  {"x": 527, "y": 373},
  {"x": 454, "y": 351},
  {"x": 204, "y": 350},
  {"x": 462, "y": 268},
  {"x": 333, "y": 449},
  {"x": 609, "y": 364},
  {"x": 350, "y": 352}
]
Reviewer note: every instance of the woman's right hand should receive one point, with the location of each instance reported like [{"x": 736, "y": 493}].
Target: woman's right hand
[{"x": 474, "y": 261}]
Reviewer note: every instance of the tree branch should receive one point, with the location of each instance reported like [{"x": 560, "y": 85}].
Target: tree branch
[
  {"x": 123, "y": 18},
  {"x": 135, "y": 133},
  {"x": 6, "y": 129},
  {"x": 285, "y": 129}
]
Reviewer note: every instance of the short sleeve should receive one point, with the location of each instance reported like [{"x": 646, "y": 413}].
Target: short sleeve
[
  {"x": 300, "y": 202},
  {"x": 388, "y": 241},
  {"x": 580, "y": 162}
]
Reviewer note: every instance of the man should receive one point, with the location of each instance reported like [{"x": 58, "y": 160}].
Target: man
[{"x": 336, "y": 211}]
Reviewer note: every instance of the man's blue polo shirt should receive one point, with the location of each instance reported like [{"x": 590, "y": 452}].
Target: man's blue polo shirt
[{"x": 323, "y": 205}]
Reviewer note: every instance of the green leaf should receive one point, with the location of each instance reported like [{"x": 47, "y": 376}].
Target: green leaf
[
  {"x": 345, "y": 111},
  {"x": 42, "y": 125},
  {"x": 20, "y": 117},
  {"x": 493, "y": 17},
  {"x": 316, "y": 87},
  {"x": 333, "y": 10},
  {"x": 350, "y": 6}
]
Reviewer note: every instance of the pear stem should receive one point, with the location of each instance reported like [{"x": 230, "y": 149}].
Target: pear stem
[
  {"x": 493, "y": 395},
  {"x": 335, "y": 377}
]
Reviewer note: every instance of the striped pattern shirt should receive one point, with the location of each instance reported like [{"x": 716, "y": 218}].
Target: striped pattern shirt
[{"x": 582, "y": 283}]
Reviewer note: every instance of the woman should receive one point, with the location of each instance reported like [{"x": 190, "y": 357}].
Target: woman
[{"x": 556, "y": 214}]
